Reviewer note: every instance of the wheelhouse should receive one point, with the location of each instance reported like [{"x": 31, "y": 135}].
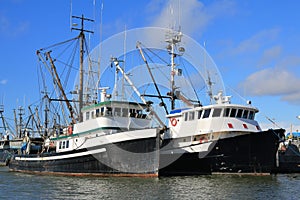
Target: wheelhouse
[
  {"x": 115, "y": 109},
  {"x": 229, "y": 111}
]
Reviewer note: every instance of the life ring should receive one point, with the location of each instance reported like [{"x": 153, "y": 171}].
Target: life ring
[
  {"x": 173, "y": 121},
  {"x": 203, "y": 139},
  {"x": 70, "y": 130},
  {"x": 51, "y": 144}
]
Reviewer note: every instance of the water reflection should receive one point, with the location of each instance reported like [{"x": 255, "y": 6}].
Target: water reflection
[{"x": 27, "y": 186}]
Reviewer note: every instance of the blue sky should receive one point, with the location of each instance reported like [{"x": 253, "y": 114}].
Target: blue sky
[{"x": 254, "y": 43}]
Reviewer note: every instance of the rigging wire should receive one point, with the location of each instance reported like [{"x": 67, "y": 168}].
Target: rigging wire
[
  {"x": 154, "y": 63},
  {"x": 190, "y": 81},
  {"x": 58, "y": 44}
]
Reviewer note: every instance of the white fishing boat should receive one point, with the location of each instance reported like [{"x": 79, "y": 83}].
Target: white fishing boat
[
  {"x": 220, "y": 137},
  {"x": 106, "y": 138}
]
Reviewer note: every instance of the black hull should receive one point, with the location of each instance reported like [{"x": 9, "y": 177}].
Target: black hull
[
  {"x": 252, "y": 153},
  {"x": 128, "y": 158}
]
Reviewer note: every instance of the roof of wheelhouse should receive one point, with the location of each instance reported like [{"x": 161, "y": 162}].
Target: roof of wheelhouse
[{"x": 109, "y": 103}]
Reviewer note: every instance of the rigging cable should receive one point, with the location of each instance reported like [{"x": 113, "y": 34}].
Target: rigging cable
[{"x": 190, "y": 81}]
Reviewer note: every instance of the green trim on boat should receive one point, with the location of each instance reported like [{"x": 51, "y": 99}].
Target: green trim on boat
[{"x": 85, "y": 132}]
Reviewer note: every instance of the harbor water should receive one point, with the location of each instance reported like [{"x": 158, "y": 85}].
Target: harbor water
[{"x": 15, "y": 185}]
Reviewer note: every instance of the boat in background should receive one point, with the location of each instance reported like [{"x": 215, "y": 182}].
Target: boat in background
[
  {"x": 288, "y": 158},
  {"x": 16, "y": 141},
  {"x": 9, "y": 143}
]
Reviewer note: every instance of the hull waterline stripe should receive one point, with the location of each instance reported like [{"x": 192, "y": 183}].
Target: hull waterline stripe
[
  {"x": 62, "y": 156},
  {"x": 143, "y": 175}
]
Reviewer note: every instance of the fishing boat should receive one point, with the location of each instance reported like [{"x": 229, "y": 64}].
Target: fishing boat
[
  {"x": 288, "y": 157},
  {"x": 219, "y": 138},
  {"x": 106, "y": 137},
  {"x": 9, "y": 142},
  {"x": 4, "y": 139},
  {"x": 4, "y": 150},
  {"x": 114, "y": 139}
]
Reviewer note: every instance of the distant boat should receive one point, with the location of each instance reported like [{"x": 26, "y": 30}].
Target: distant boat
[
  {"x": 9, "y": 143},
  {"x": 288, "y": 158}
]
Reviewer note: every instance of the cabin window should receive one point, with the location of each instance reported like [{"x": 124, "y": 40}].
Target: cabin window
[
  {"x": 125, "y": 112},
  {"x": 64, "y": 144},
  {"x": 206, "y": 113},
  {"x": 97, "y": 113},
  {"x": 239, "y": 113},
  {"x": 233, "y": 112},
  {"x": 139, "y": 113},
  {"x": 87, "y": 115},
  {"x": 191, "y": 116},
  {"x": 251, "y": 115},
  {"x": 117, "y": 112},
  {"x": 60, "y": 145},
  {"x": 109, "y": 111},
  {"x": 67, "y": 144},
  {"x": 217, "y": 112},
  {"x": 93, "y": 115},
  {"x": 199, "y": 114},
  {"x": 226, "y": 113},
  {"x": 102, "y": 111},
  {"x": 185, "y": 116},
  {"x": 132, "y": 112},
  {"x": 245, "y": 114}
]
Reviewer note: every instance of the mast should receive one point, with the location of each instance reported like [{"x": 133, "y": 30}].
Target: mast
[
  {"x": 20, "y": 125},
  {"x": 61, "y": 87},
  {"x": 2, "y": 117},
  {"x": 80, "y": 98},
  {"x": 16, "y": 122},
  {"x": 173, "y": 40},
  {"x": 81, "y": 71}
]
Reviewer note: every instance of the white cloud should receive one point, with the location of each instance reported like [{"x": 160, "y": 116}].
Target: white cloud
[
  {"x": 271, "y": 81},
  {"x": 274, "y": 82},
  {"x": 255, "y": 42},
  {"x": 193, "y": 16},
  {"x": 270, "y": 55},
  {"x": 293, "y": 98},
  {"x": 3, "y": 82}
]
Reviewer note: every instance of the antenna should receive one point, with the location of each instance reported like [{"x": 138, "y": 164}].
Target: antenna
[
  {"x": 123, "y": 78},
  {"x": 173, "y": 39},
  {"x": 209, "y": 82},
  {"x": 71, "y": 10},
  {"x": 179, "y": 15},
  {"x": 100, "y": 50}
]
